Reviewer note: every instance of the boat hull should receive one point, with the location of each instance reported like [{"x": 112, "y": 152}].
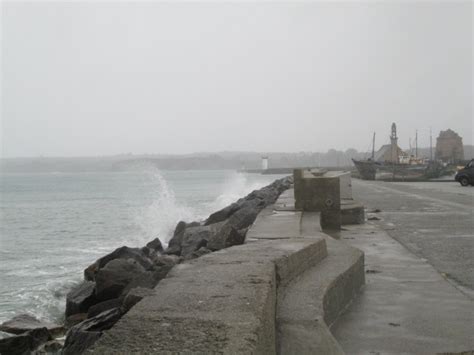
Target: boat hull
[{"x": 371, "y": 170}]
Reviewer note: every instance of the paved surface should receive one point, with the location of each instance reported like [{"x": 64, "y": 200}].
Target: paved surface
[
  {"x": 406, "y": 306},
  {"x": 434, "y": 220}
]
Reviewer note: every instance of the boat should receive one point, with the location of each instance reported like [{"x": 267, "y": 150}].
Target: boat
[{"x": 391, "y": 163}]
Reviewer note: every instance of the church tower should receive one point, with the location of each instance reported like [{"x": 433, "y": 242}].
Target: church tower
[{"x": 394, "y": 144}]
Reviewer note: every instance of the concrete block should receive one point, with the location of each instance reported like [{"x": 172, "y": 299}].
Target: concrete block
[
  {"x": 316, "y": 192},
  {"x": 307, "y": 306},
  {"x": 352, "y": 213},
  {"x": 345, "y": 183},
  {"x": 319, "y": 192},
  {"x": 223, "y": 302}
]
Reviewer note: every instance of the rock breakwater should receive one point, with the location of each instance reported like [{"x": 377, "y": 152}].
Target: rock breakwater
[{"x": 116, "y": 282}]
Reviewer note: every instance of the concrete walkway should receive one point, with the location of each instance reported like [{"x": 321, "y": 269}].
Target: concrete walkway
[
  {"x": 435, "y": 221},
  {"x": 406, "y": 306}
]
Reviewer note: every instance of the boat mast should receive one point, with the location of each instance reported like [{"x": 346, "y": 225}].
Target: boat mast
[
  {"x": 416, "y": 144},
  {"x": 431, "y": 145},
  {"x": 373, "y": 147}
]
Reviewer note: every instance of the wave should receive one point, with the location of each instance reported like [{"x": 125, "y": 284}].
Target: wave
[
  {"x": 235, "y": 187},
  {"x": 155, "y": 216},
  {"x": 161, "y": 216},
  {"x": 159, "y": 219}
]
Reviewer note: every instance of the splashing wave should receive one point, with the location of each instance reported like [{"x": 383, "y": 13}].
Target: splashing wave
[{"x": 161, "y": 216}]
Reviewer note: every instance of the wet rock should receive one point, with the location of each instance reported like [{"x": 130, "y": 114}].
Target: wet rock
[
  {"x": 148, "y": 280},
  {"x": 195, "y": 238},
  {"x": 198, "y": 253},
  {"x": 80, "y": 298},
  {"x": 155, "y": 245},
  {"x": 24, "y": 343},
  {"x": 50, "y": 347},
  {"x": 159, "y": 272},
  {"x": 167, "y": 260},
  {"x": 134, "y": 296},
  {"x": 112, "y": 279},
  {"x": 267, "y": 195},
  {"x": 75, "y": 319},
  {"x": 174, "y": 245},
  {"x": 79, "y": 341},
  {"x": 121, "y": 253},
  {"x": 226, "y": 237},
  {"x": 222, "y": 214},
  {"x": 25, "y": 322},
  {"x": 244, "y": 217},
  {"x": 100, "y": 322},
  {"x": 103, "y": 306},
  {"x": 83, "y": 335}
]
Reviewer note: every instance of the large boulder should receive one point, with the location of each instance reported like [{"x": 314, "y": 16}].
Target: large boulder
[
  {"x": 24, "y": 322},
  {"x": 112, "y": 279},
  {"x": 155, "y": 245},
  {"x": 75, "y": 319},
  {"x": 222, "y": 214},
  {"x": 166, "y": 260},
  {"x": 174, "y": 245},
  {"x": 244, "y": 217},
  {"x": 134, "y": 296},
  {"x": 124, "y": 252},
  {"x": 80, "y": 298},
  {"x": 103, "y": 306},
  {"x": 198, "y": 253},
  {"x": 195, "y": 238},
  {"x": 267, "y": 195},
  {"x": 78, "y": 342},
  {"x": 83, "y": 335},
  {"x": 24, "y": 343},
  {"x": 158, "y": 273},
  {"x": 226, "y": 237},
  {"x": 50, "y": 347}
]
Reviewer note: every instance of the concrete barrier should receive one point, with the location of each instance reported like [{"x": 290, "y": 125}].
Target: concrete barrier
[
  {"x": 221, "y": 302},
  {"x": 319, "y": 192},
  {"x": 352, "y": 212},
  {"x": 330, "y": 193},
  {"x": 237, "y": 300}
]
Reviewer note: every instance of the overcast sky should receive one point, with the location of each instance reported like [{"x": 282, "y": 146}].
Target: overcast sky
[{"x": 105, "y": 78}]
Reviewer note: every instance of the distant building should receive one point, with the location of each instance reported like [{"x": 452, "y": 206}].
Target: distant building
[
  {"x": 390, "y": 153},
  {"x": 449, "y": 147},
  {"x": 264, "y": 163}
]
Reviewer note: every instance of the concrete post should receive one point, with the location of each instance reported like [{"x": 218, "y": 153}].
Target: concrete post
[{"x": 315, "y": 191}]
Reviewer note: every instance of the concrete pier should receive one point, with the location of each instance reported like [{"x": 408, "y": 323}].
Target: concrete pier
[
  {"x": 289, "y": 281},
  {"x": 292, "y": 289}
]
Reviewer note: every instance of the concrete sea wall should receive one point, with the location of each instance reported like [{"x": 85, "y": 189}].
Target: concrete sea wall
[{"x": 277, "y": 293}]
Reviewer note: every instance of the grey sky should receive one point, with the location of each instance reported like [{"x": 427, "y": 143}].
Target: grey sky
[{"x": 107, "y": 78}]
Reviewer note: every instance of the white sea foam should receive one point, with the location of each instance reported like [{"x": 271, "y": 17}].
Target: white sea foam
[
  {"x": 161, "y": 216},
  {"x": 235, "y": 187}
]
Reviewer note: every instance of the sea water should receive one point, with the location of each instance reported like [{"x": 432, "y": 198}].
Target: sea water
[{"x": 53, "y": 225}]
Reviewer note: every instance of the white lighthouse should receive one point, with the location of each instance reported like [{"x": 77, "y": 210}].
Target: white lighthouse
[{"x": 264, "y": 163}]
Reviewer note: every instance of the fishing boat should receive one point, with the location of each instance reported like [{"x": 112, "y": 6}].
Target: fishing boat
[{"x": 391, "y": 163}]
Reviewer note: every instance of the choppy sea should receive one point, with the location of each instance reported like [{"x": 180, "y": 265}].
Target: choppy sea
[{"x": 53, "y": 225}]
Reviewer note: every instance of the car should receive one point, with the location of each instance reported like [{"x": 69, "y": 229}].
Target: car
[{"x": 465, "y": 176}]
